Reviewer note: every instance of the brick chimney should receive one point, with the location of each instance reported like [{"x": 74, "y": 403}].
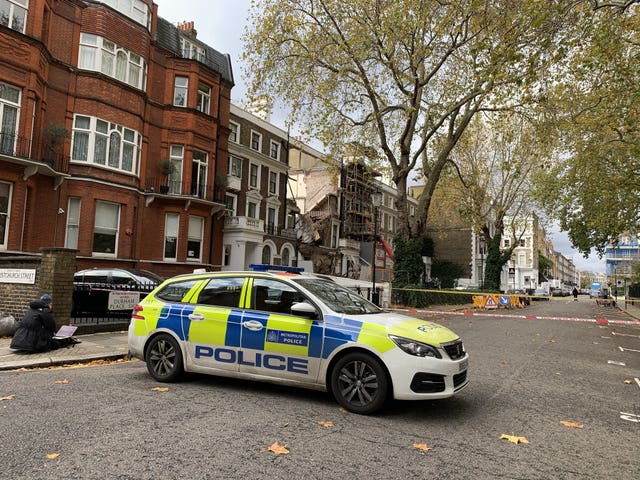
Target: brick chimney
[{"x": 188, "y": 28}]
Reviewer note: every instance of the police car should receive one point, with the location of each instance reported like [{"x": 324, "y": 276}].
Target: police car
[{"x": 295, "y": 328}]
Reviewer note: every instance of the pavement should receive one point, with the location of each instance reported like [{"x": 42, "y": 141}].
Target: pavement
[
  {"x": 113, "y": 346},
  {"x": 94, "y": 346}
]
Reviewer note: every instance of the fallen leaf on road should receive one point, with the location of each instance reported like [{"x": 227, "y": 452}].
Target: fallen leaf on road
[
  {"x": 628, "y": 382},
  {"x": 278, "y": 449},
  {"x": 160, "y": 389},
  {"x": 10, "y": 397},
  {"x": 571, "y": 424},
  {"x": 326, "y": 424},
  {"x": 422, "y": 446},
  {"x": 552, "y": 340},
  {"x": 514, "y": 439},
  {"x": 504, "y": 362},
  {"x": 53, "y": 455},
  {"x": 62, "y": 382}
]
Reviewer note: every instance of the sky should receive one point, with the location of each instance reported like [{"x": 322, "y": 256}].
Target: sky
[{"x": 221, "y": 24}]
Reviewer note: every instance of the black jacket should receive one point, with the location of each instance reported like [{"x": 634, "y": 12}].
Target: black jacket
[{"x": 36, "y": 329}]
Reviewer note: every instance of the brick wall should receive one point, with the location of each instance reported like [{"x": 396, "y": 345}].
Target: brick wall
[{"x": 54, "y": 275}]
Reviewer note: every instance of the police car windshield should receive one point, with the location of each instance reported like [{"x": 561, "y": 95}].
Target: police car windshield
[{"x": 337, "y": 298}]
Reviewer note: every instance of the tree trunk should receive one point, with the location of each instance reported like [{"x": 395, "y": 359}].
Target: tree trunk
[{"x": 493, "y": 264}]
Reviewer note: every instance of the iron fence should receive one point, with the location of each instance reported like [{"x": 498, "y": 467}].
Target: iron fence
[{"x": 106, "y": 303}]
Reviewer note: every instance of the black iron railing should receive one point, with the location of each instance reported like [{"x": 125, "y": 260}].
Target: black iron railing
[
  {"x": 165, "y": 186},
  {"x": 20, "y": 147}
]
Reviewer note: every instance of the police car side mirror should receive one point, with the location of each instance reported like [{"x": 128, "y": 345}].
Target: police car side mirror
[{"x": 304, "y": 309}]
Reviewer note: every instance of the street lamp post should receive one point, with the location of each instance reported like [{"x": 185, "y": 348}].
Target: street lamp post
[{"x": 376, "y": 200}]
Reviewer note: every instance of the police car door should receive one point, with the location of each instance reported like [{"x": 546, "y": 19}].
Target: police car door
[
  {"x": 274, "y": 342},
  {"x": 214, "y": 331}
]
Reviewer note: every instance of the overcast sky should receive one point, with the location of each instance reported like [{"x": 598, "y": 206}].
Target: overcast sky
[{"x": 221, "y": 24}]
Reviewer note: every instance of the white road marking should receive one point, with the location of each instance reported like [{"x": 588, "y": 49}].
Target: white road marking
[
  {"x": 612, "y": 362},
  {"x": 631, "y": 417},
  {"x": 625, "y": 335},
  {"x": 628, "y": 349}
]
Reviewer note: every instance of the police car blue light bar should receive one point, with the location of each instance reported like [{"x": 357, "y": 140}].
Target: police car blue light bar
[{"x": 265, "y": 267}]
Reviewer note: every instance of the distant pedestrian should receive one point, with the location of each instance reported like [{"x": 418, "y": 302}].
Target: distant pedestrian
[
  {"x": 35, "y": 332},
  {"x": 575, "y": 294}
]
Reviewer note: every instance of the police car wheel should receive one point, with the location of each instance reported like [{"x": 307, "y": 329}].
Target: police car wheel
[
  {"x": 359, "y": 383},
  {"x": 164, "y": 358}
]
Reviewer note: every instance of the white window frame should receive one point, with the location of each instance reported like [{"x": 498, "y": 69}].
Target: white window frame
[
  {"x": 107, "y": 229},
  {"x": 234, "y": 166},
  {"x": 274, "y": 183},
  {"x": 256, "y": 184},
  {"x": 180, "y": 91},
  {"x": 195, "y": 234},
  {"x": 199, "y": 169},
  {"x": 10, "y": 98},
  {"x": 23, "y": 8},
  {"x": 233, "y": 208},
  {"x": 204, "y": 98},
  {"x": 256, "y": 208},
  {"x": 271, "y": 223},
  {"x": 105, "y": 144},
  {"x": 72, "y": 231},
  {"x": 274, "y": 150},
  {"x": 171, "y": 233},
  {"x": 258, "y": 136},
  {"x": 136, "y": 10},
  {"x": 6, "y": 216},
  {"x": 176, "y": 157},
  {"x": 191, "y": 50},
  {"x": 101, "y": 55},
  {"x": 234, "y": 135}
]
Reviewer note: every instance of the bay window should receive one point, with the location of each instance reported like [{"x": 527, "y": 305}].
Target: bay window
[{"x": 105, "y": 144}]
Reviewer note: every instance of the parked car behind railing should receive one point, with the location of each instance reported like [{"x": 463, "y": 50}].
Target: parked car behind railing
[{"x": 98, "y": 291}]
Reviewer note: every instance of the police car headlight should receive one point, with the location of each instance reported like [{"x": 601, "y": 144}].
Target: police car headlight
[{"x": 415, "y": 348}]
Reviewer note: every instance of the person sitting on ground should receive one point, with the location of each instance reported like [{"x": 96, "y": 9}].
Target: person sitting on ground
[{"x": 35, "y": 332}]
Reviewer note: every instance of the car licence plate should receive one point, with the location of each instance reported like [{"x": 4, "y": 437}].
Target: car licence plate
[{"x": 463, "y": 365}]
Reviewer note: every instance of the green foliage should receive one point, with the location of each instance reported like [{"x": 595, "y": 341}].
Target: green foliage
[
  {"x": 166, "y": 167},
  {"x": 414, "y": 296},
  {"x": 55, "y": 134},
  {"x": 496, "y": 259},
  {"x": 635, "y": 273},
  {"x": 403, "y": 76},
  {"x": 593, "y": 113},
  {"x": 544, "y": 267},
  {"x": 408, "y": 268},
  {"x": 446, "y": 272}
]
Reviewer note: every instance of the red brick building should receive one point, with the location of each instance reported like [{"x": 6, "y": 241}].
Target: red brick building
[{"x": 114, "y": 128}]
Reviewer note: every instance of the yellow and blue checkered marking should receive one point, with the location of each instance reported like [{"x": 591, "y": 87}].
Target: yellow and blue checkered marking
[{"x": 315, "y": 339}]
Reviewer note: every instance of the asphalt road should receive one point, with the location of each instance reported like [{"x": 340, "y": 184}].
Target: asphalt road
[{"x": 527, "y": 376}]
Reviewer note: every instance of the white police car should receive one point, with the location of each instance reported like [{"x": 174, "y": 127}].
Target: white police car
[{"x": 299, "y": 329}]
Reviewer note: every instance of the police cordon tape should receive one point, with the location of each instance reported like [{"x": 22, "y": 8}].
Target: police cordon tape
[
  {"x": 467, "y": 313},
  {"x": 598, "y": 300}
]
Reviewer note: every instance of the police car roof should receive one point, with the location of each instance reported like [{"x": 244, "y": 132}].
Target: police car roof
[{"x": 261, "y": 268}]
